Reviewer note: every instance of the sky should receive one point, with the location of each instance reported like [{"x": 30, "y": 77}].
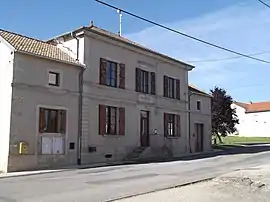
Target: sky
[{"x": 241, "y": 25}]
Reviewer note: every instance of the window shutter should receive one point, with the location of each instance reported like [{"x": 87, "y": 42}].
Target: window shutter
[
  {"x": 138, "y": 80},
  {"x": 64, "y": 121},
  {"x": 166, "y": 124},
  {"x": 122, "y": 76},
  {"x": 165, "y": 86},
  {"x": 178, "y": 89},
  {"x": 153, "y": 83},
  {"x": 102, "y": 72},
  {"x": 41, "y": 120},
  {"x": 121, "y": 121},
  {"x": 102, "y": 119},
  {"x": 178, "y": 125}
]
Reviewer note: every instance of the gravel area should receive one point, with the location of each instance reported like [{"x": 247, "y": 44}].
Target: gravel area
[{"x": 249, "y": 185}]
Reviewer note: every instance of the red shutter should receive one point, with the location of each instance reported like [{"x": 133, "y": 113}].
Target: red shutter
[
  {"x": 41, "y": 120},
  {"x": 138, "y": 80},
  {"x": 122, "y": 76},
  {"x": 64, "y": 121},
  {"x": 166, "y": 124},
  {"x": 153, "y": 83},
  {"x": 178, "y": 126},
  {"x": 102, "y": 72},
  {"x": 102, "y": 119},
  {"x": 178, "y": 89},
  {"x": 121, "y": 121},
  {"x": 165, "y": 86}
]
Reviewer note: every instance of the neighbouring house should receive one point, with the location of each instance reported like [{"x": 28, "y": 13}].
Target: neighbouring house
[
  {"x": 39, "y": 104},
  {"x": 254, "y": 119},
  {"x": 91, "y": 96}
]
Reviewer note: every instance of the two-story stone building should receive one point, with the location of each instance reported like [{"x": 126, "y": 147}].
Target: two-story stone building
[{"x": 92, "y": 96}]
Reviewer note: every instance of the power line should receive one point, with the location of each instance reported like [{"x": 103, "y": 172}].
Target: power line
[
  {"x": 264, "y": 3},
  {"x": 181, "y": 33},
  {"x": 228, "y": 58}
]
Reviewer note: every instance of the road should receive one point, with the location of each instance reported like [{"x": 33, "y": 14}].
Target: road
[{"x": 109, "y": 183}]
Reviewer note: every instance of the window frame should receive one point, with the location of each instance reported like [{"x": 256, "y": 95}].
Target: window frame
[
  {"x": 146, "y": 83},
  {"x": 111, "y": 74},
  {"x": 171, "y": 124},
  {"x": 57, "y": 78},
  {"x": 170, "y": 86},
  {"x": 200, "y": 105},
  {"x": 108, "y": 120}
]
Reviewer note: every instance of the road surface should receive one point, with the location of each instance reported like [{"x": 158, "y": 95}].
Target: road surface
[{"x": 114, "y": 182}]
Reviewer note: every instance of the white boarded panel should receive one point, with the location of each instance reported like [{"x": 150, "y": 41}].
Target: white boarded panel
[
  {"x": 46, "y": 145},
  {"x": 58, "y": 145}
]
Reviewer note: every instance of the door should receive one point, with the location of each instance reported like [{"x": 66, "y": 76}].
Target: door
[
  {"x": 144, "y": 128},
  {"x": 199, "y": 137}
]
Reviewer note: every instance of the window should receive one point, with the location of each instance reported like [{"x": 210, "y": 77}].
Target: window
[
  {"x": 54, "y": 79},
  {"x": 171, "y": 88},
  {"x": 145, "y": 81},
  {"x": 52, "y": 145},
  {"x": 172, "y": 125},
  {"x": 198, "y": 105},
  {"x": 52, "y": 121},
  {"x": 111, "y": 120},
  {"x": 109, "y": 74}
]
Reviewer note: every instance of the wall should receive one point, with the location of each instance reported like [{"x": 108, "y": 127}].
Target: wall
[
  {"x": 6, "y": 75},
  {"x": 252, "y": 124},
  {"x": 97, "y": 47},
  {"x": 202, "y": 116},
  {"x": 30, "y": 91}
]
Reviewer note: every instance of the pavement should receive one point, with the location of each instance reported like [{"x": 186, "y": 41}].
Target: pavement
[
  {"x": 121, "y": 181},
  {"x": 245, "y": 185}
]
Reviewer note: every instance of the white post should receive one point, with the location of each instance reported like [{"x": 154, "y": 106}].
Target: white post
[{"x": 120, "y": 20}]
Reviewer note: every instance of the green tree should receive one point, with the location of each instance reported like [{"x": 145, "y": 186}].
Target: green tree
[{"x": 224, "y": 117}]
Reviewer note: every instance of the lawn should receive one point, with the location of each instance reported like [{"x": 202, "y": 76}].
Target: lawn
[{"x": 236, "y": 140}]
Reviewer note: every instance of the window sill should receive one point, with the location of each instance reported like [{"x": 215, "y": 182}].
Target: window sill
[
  {"x": 52, "y": 134},
  {"x": 113, "y": 136},
  {"x": 172, "y": 137}
]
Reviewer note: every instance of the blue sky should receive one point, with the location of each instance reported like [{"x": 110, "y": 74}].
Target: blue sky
[{"x": 242, "y": 25}]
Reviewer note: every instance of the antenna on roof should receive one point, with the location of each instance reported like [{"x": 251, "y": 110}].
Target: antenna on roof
[
  {"x": 91, "y": 23},
  {"x": 120, "y": 22}
]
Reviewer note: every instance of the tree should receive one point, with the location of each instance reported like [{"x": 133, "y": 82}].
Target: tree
[{"x": 224, "y": 117}]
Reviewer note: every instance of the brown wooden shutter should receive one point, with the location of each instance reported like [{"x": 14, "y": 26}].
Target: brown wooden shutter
[
  {"x": 102, "y": 72},
  {"x": 166, "y": 118},
  {"x": 153, "y": 83},
  {"x": 138, "y": 80},
  {"x": 178, "y": 125},
  {"x": 165, "y": 86},
  {"x": 121, "y": 121},
  {"x": 64, "y": 121},
  {"x": 178, "y": 89},
  {"x": 122, "y": 76},
  {"x": 41, "y": 120},
  {"x": 102, "y": 119}
]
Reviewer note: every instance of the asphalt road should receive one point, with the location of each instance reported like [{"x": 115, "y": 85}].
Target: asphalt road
[{"x": 109, "y": 183}]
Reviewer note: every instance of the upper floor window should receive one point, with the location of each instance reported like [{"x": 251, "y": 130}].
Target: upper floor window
[
  {"x": 109, "y": 73},
  {"x": 172, "y": 125},
  {"x": 52, "y": 120},
  {"x": 145, "y": 81},
  {"x": 198, "y": 105},
  {"x": 54, "y": 78},
  {"x": 171, "y": 88}
]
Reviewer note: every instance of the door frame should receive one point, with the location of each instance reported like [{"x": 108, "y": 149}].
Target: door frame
[{"x": 144, "y": 138}]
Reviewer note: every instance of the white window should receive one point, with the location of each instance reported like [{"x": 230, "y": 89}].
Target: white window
[
  {"x": 54, "y": 78},
  {"x": 52, "y": 145}
]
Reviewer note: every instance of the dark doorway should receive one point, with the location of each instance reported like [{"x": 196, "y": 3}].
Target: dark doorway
[
  {"x": 199, "y": 127},
  {"x": 144, "y": 128}
]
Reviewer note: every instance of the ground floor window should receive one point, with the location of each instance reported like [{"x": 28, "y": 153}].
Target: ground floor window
[
  {"x": 172, "y": 125},
  {"x": 52, "y": 145}
]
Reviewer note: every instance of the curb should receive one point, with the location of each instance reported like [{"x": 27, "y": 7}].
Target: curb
[{"x": 162, "y": 189}]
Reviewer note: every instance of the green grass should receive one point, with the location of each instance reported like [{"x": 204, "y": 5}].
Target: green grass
[{"x": 236, "y": 140}]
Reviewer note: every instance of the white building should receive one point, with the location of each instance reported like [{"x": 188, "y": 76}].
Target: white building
[
  {"x": 126, "y": 101},
  {"x": 254, "y": 119}
]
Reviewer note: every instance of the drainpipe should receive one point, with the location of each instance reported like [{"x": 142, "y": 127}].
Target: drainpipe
[
  {"x": 189, "y": 134},
  {"x": 79, "y": 137}
]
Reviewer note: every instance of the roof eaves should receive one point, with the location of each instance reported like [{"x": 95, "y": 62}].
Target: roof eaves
[{"x": 53, "y": 59}]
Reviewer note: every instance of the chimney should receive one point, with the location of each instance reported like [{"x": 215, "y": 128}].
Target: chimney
[{"x": 91, "y": 23}]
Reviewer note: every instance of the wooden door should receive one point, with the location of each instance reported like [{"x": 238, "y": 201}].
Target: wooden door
[
  {"x": 144, "y": 128},
  {"x": 199, "y": 127}
]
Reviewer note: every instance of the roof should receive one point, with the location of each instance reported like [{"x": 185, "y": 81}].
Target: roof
[
  {"x": 194, "y": 89},
  {"x": 255, "y": 107},
  {"x": 114, "y": 36},
  {"x": 36, "y": 47}
]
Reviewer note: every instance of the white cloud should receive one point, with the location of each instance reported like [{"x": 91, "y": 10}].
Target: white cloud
[{"x": 243, "y": 27}]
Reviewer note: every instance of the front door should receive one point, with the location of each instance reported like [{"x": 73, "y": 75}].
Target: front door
[
  {"x": 144, "y": 128},
  {"x": 199, "y": 137}
]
